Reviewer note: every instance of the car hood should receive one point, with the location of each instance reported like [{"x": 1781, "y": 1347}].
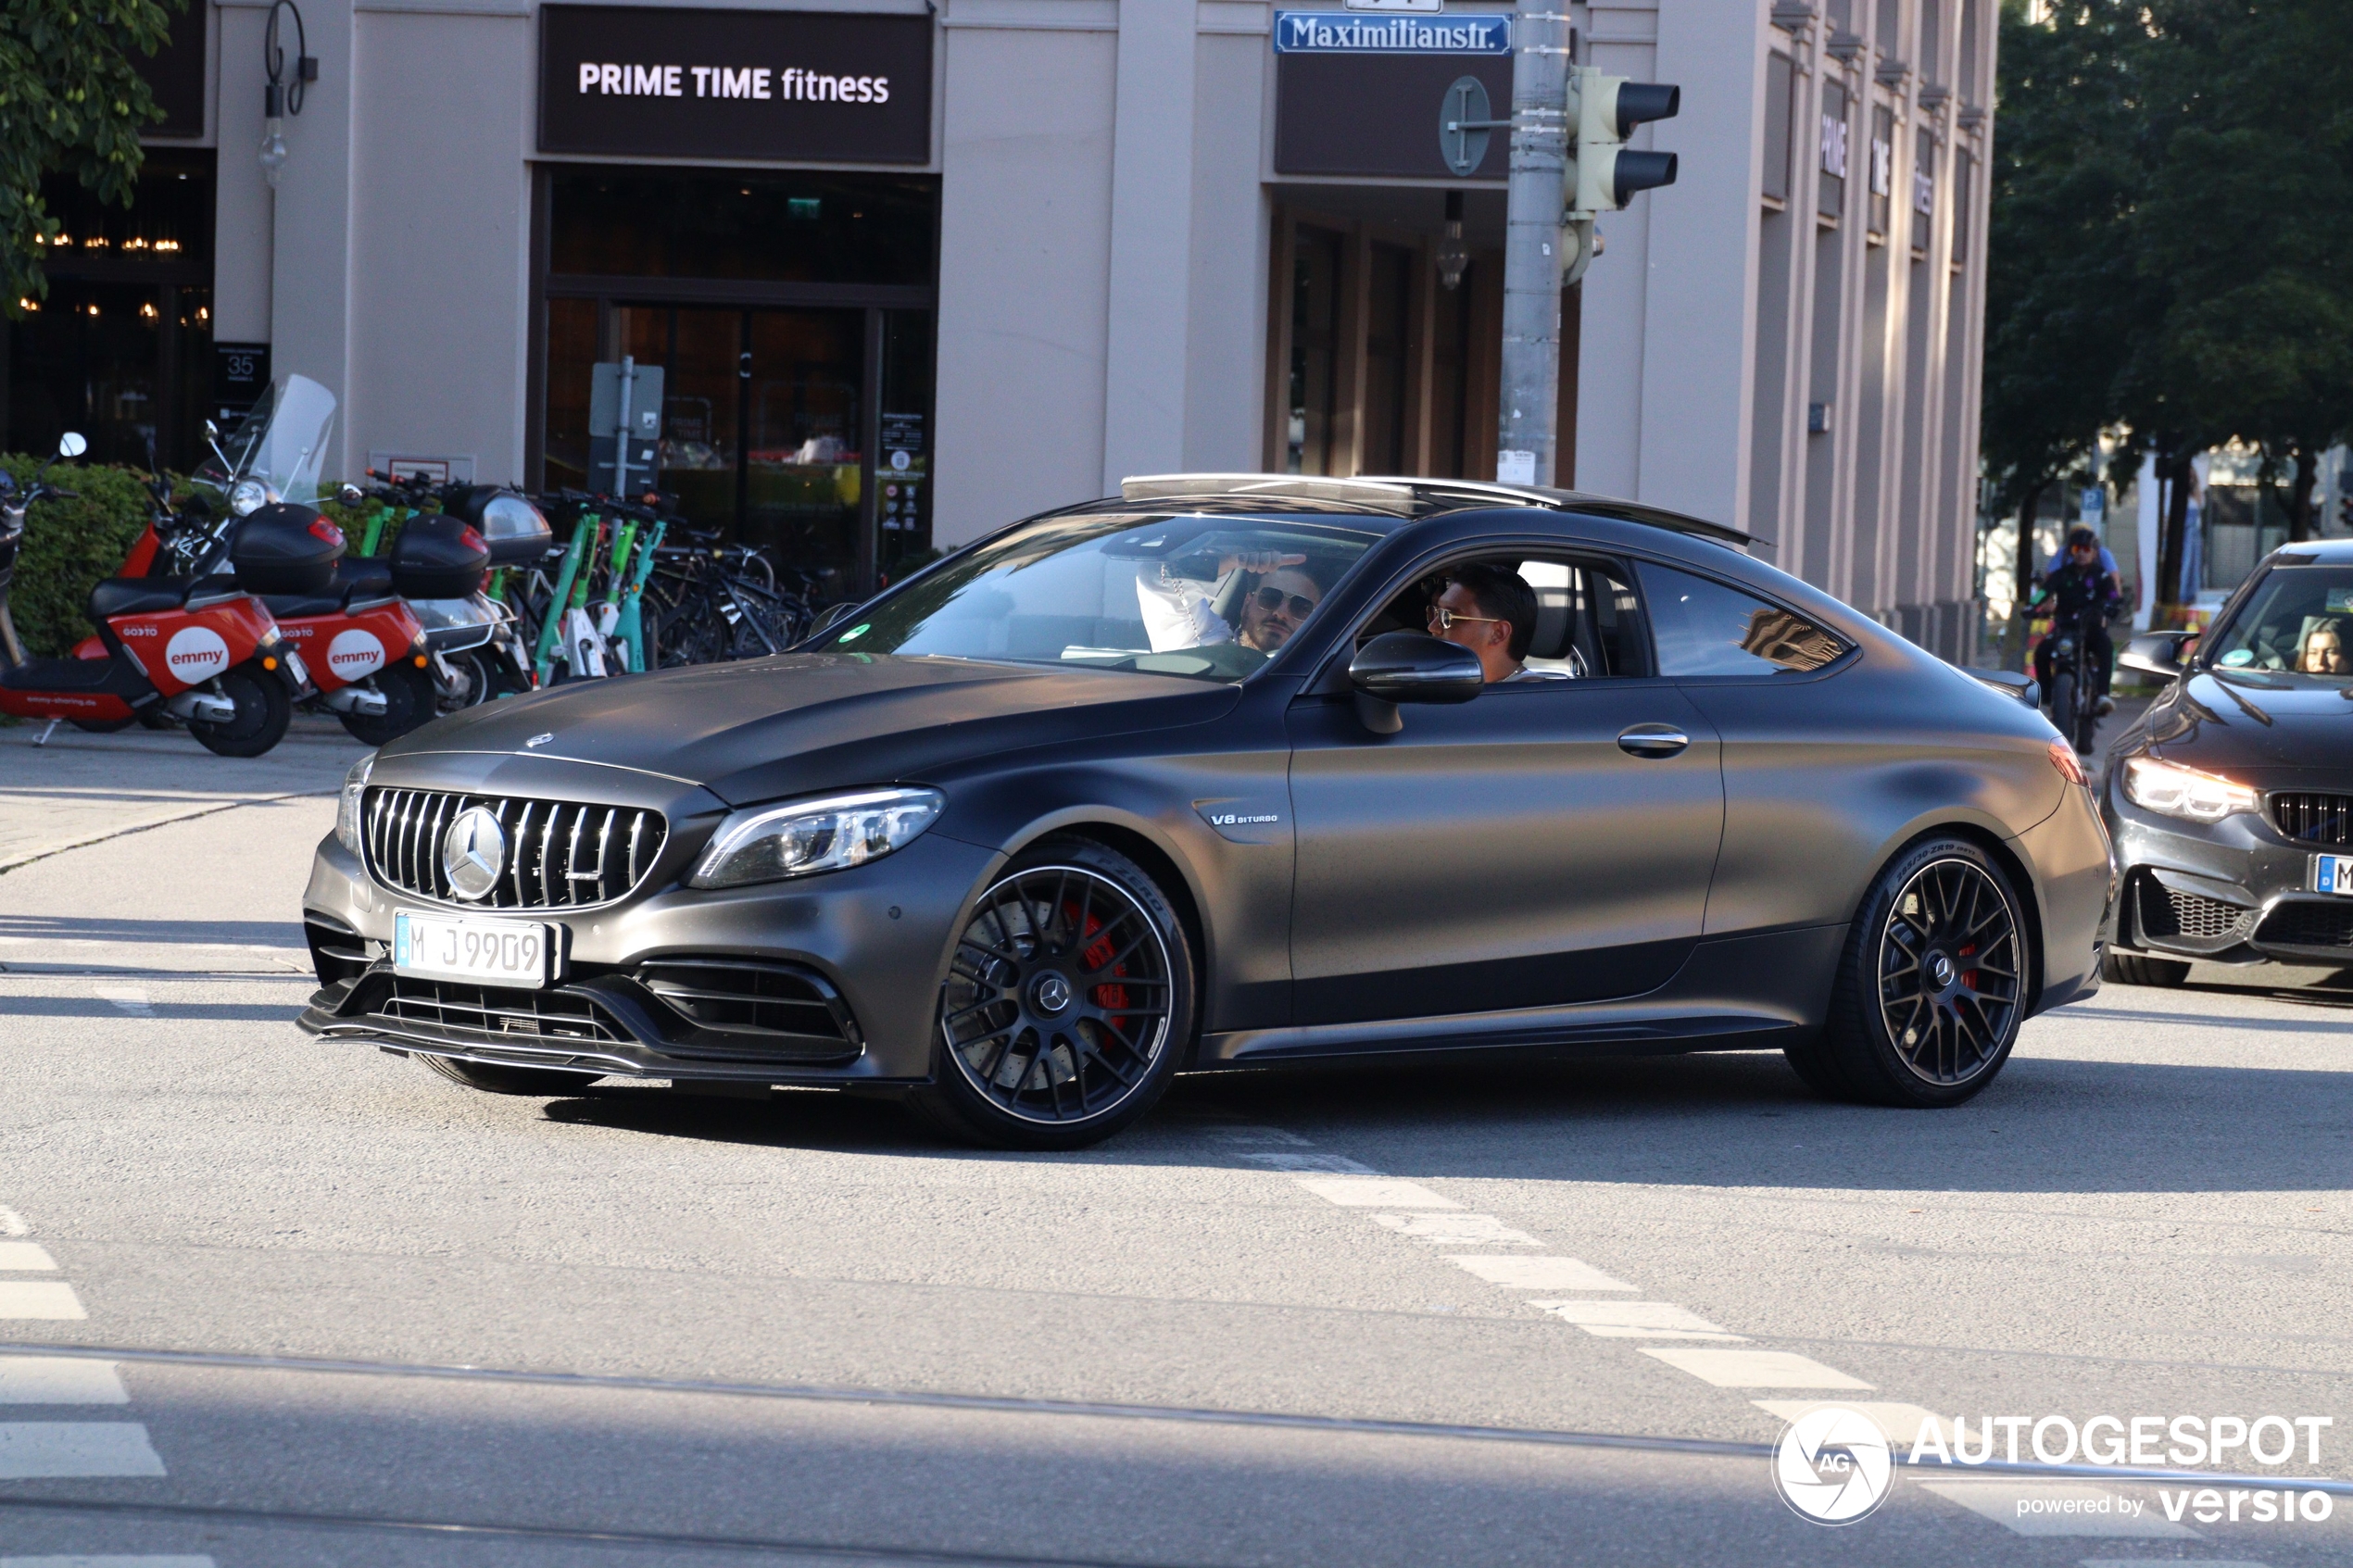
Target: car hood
[
  {"x": 2269, "y": 731},
  {"x": 764, "y": 729}
]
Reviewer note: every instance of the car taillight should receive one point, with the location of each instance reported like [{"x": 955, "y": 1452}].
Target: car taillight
[{"x": 2063, "y": 757}]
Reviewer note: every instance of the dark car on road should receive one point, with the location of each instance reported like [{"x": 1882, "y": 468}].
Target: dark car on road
[
  {"x": 1232, "y": 772},
  {"x": 2231, "y": 799}
]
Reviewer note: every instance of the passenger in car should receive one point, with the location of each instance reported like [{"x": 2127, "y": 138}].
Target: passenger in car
[
  {"x": 1491, "y": 610},
  {"x": 2324, "y": 650},
  {"x": 1180, "y": 610}
]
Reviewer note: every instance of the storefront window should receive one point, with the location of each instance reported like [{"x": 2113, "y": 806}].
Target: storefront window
[
  {"x": 121, "y": 348},
  {"x": 1314, "y": 346},
  {"x": 795, "y": 227}
]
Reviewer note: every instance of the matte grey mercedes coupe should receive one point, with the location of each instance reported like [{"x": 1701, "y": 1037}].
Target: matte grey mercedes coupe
[{"x": 1224, "y": 772}]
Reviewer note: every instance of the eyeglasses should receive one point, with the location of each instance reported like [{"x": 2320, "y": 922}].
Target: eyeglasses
[
  {"x": 1271, "y": 600},
  {"x": 1444, "y": 619}
]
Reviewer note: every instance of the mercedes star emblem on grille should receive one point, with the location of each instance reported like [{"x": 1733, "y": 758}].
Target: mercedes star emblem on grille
[{"x": 473, "y": 852}]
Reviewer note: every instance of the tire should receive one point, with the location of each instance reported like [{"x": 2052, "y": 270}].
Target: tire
[
  {"x": 263, "y": 712},
  {"x": 1068, "y": 1006},
  {"x": 410, "y": 700},
  {"x": 493, "y": 1080},
  {"x": 2063, "y": 704},
  {"x": 2131, "y": 969},
  {"x": 1931, "y": 986},
  {"x": 1810, "y": 1058}
]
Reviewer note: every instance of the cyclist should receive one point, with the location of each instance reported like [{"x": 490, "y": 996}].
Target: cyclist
[{"x": 2080, "y": 579}]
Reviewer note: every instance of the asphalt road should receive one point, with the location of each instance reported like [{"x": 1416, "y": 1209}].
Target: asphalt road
[{"x": 351, "y": 1313}]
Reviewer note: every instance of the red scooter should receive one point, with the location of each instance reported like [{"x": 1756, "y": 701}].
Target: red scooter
[{"x": 201, "y": 650}]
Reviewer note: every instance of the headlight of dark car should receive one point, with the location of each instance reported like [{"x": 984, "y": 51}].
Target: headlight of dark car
[
  {"x": 2177, "y": 791},
  {"x": 348, "y": 828},
  {"x": 829, "y": 833}
]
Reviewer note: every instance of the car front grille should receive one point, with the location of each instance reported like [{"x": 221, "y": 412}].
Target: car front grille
[
  {"x": 2302, "y": 923},
  {"x": 2314, "y": 818},
  {"x": 750, "y": 998},
  {"x": 495, "y": 1016},
  {"x": 559, "y": 855},
  {"x": 2170, "y": 912}
]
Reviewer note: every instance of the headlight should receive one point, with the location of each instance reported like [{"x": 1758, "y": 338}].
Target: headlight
[
  {"x": 2183, "y": 792},
  {"x": 824, "y": 835},
  {"x": 248, "y": 496},
  {"x": 354, "y": 784}
]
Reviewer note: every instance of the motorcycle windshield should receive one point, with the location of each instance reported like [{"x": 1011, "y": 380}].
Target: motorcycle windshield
[{"x": 283, "y": 442}]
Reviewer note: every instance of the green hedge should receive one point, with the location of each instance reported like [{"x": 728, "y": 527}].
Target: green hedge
[{"x": 69, "y": 545}]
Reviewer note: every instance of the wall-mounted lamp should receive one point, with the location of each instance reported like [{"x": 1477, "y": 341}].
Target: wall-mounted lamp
[{"x": 281, "y": 97}]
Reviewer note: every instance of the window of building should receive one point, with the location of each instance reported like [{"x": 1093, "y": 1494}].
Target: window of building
[
  {"x": 1931, "y": 42},
  {"x": 1965, "y": 68},
  {"x": 1883, "y": 183},
  {"x": 1780, "y": 83},
  {"x": 1705, "y": 628},
  {"x": 1890, "y": 29},
  {"x": 1923, "y": 191},
  {"x": 1964, "y": 183},
  {"x": 1830, "y": 202},
  {"x": 1387, "y": 325},
  {"x": 1314, "y": 350}
]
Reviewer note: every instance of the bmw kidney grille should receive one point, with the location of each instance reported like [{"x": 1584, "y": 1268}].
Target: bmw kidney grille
[{"x": 546, "y": 854}]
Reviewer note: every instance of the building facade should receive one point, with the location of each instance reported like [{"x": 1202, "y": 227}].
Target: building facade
[{"x": 909, "y": 270}]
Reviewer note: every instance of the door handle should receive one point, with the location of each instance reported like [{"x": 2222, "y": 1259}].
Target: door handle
[{"x": 1653, "y": 740}]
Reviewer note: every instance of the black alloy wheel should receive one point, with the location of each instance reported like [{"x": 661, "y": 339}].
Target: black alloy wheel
[
  {"x": 1932, "y": 987},
  {"x": 263, "y": 712},
  {"x": 410, "y": 700},
  {"x": 1068, "y": 1002}
]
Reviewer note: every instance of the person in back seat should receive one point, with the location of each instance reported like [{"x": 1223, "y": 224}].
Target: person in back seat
[{"x": 1491, "y": 611}]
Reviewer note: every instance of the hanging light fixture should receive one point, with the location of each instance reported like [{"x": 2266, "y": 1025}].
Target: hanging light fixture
[
  {"x": 1453, "y": 255},
  {"x": 281, "y": 98}
]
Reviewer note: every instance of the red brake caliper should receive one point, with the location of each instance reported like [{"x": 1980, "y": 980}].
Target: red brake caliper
[{"x": 1096, "y": 954}]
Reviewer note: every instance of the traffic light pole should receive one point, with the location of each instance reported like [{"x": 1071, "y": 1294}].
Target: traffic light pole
[{"x": 1527, "y": 439}]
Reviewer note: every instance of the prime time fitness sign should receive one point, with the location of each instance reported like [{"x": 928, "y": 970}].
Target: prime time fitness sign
[{"x": 817, "y": 86}]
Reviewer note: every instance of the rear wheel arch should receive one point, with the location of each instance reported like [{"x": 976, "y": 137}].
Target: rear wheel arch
[{"x": 2000, "y": 851}]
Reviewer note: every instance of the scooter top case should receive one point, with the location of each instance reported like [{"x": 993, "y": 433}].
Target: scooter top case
[
  {"x": 438, "y": 556},
  {"x": 516, "y": 532},
  {"x": 283, "y": 548}
]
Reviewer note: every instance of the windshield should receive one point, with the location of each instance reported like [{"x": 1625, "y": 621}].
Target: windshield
[
  {"x": 2299, "y": 622},
  {"x": 1210, "y": 597},
  {"x": 283, "y": 443}
]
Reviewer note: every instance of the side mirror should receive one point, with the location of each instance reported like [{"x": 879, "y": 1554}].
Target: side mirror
[
  {"x": 72, "y": 445},
  {"x": 349, "y": 496},
  {"x": 2156, "y": 653},
  {"x": 212, "y": 430},
  {"x": 2009, "y": 683},
  {"x": 1409, "y": 667}
]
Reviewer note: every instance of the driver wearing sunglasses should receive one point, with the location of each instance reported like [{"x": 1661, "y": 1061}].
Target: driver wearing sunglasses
[
  {"x": 1178, "y": 611},
  {"x": 1491, "y": 610}
]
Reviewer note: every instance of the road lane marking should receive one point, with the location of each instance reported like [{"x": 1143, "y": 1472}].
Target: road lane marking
[
  {"x": 128, "y": 998},
  {"x": 1518, "y": 1272},
  {"x": 26, "y": 1258},
  {"x": 1999, "y": 1501},
  {"x": 39, "y": 1299},
  {"x": 1901, "y": 1422},
  {"x": 59, "y": 1380},
  {"x": 107, "y": 1562},
  {"x": 1457, "y": 1230},
  {"x": 1752, "y": 1369},
  {"x": 1373, "y": 1192},
  {"x": 1635, "y": 1320},
  {"x": 1257, "y": 1135},
  {"x": 36, "y": 1451},
  {"x": 2110, "y": 1563},
  {"x": 1290, "y": 1160},
  {"x": 12, "y": 1222}
]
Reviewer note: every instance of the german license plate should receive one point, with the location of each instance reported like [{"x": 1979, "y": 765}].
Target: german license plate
[
  {"x": 489, "y": 952},
  {"x": 2332, "y": 873}
]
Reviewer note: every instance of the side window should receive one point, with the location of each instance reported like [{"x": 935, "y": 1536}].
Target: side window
[
  {"x": 1704, "y": 628},
  {"x": 1588, "y": 620}
]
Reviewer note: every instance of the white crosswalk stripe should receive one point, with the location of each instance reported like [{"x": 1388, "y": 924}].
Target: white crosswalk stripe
[
  {"x": 1752, "y": 1369},
  {"x": 107, "y": 1562},
  {"x": 59, "y": 1380},
  {"x": 39, "y": 1299},
  {"x": 59, "y": 1450}
]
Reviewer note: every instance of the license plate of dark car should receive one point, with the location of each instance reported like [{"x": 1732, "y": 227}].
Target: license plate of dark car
[
  {"x": 489, "y": 952},
  {"x": 2332, "y": 873}
]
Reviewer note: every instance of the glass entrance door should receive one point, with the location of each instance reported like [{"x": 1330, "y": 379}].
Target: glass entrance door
[{"x": 762, "y": 423}]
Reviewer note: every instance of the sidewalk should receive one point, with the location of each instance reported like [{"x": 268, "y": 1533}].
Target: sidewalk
[{"x": 83, "y": 788}]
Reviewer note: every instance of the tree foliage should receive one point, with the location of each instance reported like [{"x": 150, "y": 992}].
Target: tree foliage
[
  {"x": 2172, "y": 241},
  {"x": 71, "y": 101}
]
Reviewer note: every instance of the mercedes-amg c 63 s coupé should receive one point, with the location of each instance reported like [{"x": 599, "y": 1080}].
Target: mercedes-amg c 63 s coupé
[{"x": 1231, "y": 772}]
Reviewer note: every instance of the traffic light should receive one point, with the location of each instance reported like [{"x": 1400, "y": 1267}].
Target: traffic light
[{"x": 1603, "y": 174}]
